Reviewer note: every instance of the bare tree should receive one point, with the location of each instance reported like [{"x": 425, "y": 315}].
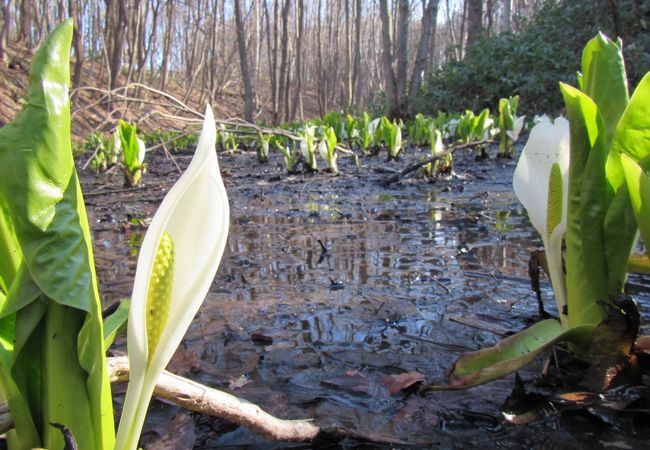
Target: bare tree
[
  {"x": 392, "y": 102},
  {"x": 249, "y": 91},
  {"x": 429, "y": 19},
  {"x": 474, "y": 20}
]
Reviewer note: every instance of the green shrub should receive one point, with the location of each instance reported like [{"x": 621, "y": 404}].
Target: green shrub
[{"x": 532, "y": 62}]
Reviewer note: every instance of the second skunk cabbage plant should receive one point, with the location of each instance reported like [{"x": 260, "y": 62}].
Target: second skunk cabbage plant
[
  {"x": 308, "y": 147},
  {"x": 188, "y": 231},
  {"x": 595, "y": 205},
  {"x": 510, "y": 125},
  {"x": 419, "y": 130},
  {"x": 392, "y": 134},
  {"x": 133, "y": 153},
  {"x": 263, "y": 141},
  {"x": 327, "y": 149},
  {"x": 226, "y": 139},
  {"x": 365, "y": 133},
  {"x": 442, "y": 165},
  {"x": 351, "y": 132},
  {"x": 290, "y": 156}
]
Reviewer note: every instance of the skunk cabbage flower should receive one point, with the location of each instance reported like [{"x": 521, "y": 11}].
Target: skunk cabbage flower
[
  {"x": 178, "y": 260},
  {"x": 541, "y": 182},
  {"x": 517, "y": 126}
]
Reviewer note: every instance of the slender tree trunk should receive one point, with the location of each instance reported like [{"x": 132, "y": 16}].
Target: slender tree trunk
[
  {"x": 356, "y": 79},
  {"x": 297, "y": 98},
  {"x": 474, "y": 21},
  {"x": 429, "y": 18},
  {"x": 118, "y": 37},
  {"x": 249, "y": 93},
  {"x": 402, "y": 53},
  {"x": 4, "y": 29},
  {"x": 348, "y": 56},
  {"x": 167, "y": 41},
  {"x": 392, "y": 105},
  {"x": 507, "y": 14},
  {"x": 284, "y": 60},
  {"x": 77, "y": 42}
]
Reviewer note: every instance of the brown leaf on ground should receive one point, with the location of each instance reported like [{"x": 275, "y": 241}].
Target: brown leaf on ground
[
  {"x": 236, "y": 383},
  {"x": 398, "y": 382}
]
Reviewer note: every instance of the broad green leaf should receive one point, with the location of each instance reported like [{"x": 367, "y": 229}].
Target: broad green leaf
[
  {"x": 115, "y": 321},
  {"x": 632, "y": 134},
  {"x": 37, "y": 174},
  {"x": 512, "y": 353},
  {"x": 130, "y": 146},
  {"x": 24, "y": 435},
  {"x": 604, "y": 80},
  {"x": 621, "y": 233},
  {"x": 638, "y": 188},
  {"x": 586, "y": 273},
  {"x": 10, "y": 255}
]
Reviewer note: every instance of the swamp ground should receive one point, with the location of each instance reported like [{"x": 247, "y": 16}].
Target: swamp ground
[{"x": 407, "y": 277}]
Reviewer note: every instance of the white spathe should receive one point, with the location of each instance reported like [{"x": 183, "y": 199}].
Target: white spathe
[
  {"x": 195, "y": 213},
  {"x": 548, "y": 144}
]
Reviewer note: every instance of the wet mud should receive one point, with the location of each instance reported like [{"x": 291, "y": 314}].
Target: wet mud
[{"x": 337, "y": 296}]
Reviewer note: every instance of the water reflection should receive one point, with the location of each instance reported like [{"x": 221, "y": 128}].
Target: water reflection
[{"x": 280, "y": 251}]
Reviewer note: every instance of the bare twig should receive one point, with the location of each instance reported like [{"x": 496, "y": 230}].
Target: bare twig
[
  {"x": 424, "y": 162},
  {"x": 199, "y": 398}
]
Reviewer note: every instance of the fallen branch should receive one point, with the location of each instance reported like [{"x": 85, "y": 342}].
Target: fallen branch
[
  {"x": 199, "y": 398},
  {"x": 424, "y": 162}
]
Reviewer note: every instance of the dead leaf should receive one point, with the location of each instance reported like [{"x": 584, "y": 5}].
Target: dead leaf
[
  {"x": 236, "y": 383},
  {"x": 398, "y": 382}
]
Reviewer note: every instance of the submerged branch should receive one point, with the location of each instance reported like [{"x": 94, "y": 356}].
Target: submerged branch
[
  {"x": 203, "y": 399},
  {"x": 424, "y": 162}
]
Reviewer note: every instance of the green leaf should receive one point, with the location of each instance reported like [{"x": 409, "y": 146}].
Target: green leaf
[
  {"x": 38, "y": 176},
  {"x": 621, "y": 233},
  {"x": 604, "y": 80},
  {"x": 10, "y": 255},
  {"x": 632, "y": 134},
  {"x": 24, "y": 435},
  {"x": 130, "y": 146},
  {"x": 638, "y": 188},
  {"x": 512, "y": 353},
  {"x": 114, "y": 322},
  {"x": 585, "y": 256}
]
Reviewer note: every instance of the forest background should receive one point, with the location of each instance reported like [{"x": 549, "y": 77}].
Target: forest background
[{"x": 276, "y": 61}]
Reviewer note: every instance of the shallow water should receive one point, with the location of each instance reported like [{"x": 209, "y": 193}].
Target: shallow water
[{"x": 330, "y": 283}]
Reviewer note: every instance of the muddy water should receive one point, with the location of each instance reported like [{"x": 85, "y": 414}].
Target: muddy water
[{"x": 329, "y": 284}]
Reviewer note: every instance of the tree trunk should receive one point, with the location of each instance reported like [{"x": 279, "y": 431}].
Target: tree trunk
[
  {"x": 392, "y": 105},
  {"x": 77, "y": 42},
  {"x": 297, "y": 98},
  {"x": 167, "y": 40},
  {"x": 402, "y": 53},
  {"x": 249, "y": 92},
  {"x": 4, "y": 30},
  {"x": 119, "y": 25},
  {"x": 474, "y": 21},
  {"x": 284, "y": 61},
  {"x": 429, "y": 19},
  {"x": 356, "y": 79},
  {"x": 507, "y": 14}
]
